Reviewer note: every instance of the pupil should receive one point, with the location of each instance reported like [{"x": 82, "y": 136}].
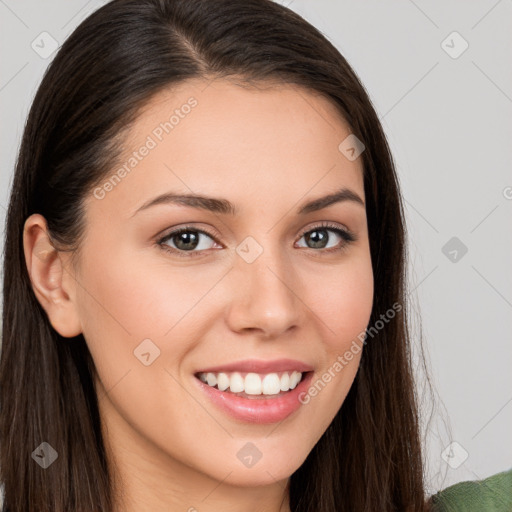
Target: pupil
[
  {"x": 187, "y": 237},
  {"x": 317, "y": 240}
]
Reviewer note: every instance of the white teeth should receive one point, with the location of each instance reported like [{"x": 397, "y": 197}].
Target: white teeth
[
  {"x": 271, "y": 384},
  {"x": 285, "y": 382},
  {"x": 222, "y": 381},
  {"x": 253, "y": 383},
  {"x": 236, "y": 383},
  {"x": 211, "y": 379},
  {"x": 294, "y": 379}
]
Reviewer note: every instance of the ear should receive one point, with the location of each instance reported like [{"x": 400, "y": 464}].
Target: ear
[{"x": 54, "y": 285}]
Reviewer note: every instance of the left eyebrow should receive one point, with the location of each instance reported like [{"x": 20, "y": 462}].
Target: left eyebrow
[
  {"x": 344, "y": 194},
  {"x": 225, "y": 207}
]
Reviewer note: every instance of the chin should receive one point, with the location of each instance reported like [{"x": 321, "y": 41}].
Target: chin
[{"x": 266, "y": 471}]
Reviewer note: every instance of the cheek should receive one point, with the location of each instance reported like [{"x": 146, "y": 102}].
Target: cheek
[
  {"x": 344, "y": 304},
  {"x": 343, "y": 301},
  {"x": 141, "y": 296},
  {"x": 129, "y": 298}
]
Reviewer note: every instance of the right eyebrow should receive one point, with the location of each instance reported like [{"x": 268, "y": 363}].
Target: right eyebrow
[{"x": 211, "y": 204}]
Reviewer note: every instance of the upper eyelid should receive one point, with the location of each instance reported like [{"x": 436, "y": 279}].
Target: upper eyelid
[{"x": 323, "y": 225}]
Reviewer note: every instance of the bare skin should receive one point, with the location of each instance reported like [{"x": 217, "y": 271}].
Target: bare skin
[{"x": 268, "y": 151}]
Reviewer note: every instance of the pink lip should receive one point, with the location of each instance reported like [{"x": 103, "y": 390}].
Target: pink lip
[
  {"x": 260, "y": 366},
  {"x": 258, "y": 410}
]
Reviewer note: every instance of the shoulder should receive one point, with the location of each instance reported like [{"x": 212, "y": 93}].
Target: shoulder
[{"x": 493, "y": 494}]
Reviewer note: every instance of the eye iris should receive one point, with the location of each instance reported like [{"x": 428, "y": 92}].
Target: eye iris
[
  {"x": 317, "y": 239},
  {"x": 186, "y": 237}
]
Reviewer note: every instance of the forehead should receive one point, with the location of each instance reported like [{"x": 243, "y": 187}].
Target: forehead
[{"x": 272, "y": 142}]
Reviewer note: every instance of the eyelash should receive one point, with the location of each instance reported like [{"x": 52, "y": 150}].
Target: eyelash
[{"x": 344, "y": 234}]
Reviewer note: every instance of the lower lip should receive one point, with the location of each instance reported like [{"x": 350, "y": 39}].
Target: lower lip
[{"x": 258, "y": 410}]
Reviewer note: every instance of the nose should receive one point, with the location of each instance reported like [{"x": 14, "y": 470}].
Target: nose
[{"x": 265, "y": 295}]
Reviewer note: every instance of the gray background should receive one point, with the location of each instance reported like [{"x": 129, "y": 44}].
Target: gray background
[{"x": 448, "y": 122}]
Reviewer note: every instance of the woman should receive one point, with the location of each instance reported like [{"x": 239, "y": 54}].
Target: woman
[{"x": 204, "y": 293}]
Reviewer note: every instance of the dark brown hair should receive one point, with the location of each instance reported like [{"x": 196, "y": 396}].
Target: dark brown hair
[{"x": 370, "y": 457}]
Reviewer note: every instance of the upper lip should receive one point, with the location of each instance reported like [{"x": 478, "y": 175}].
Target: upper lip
[{"x": 260, "y": 366}]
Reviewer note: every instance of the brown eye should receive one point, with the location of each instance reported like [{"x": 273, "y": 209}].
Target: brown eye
[
  {"x": 319, "y": 237},
  {"x": 186, "y": 240}
]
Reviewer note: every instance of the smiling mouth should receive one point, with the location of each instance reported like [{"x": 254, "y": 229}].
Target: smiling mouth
[{"x": 253, "y": 385}]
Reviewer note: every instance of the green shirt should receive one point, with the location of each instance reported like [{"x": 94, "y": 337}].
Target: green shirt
[{"x": 493, "y": 494}]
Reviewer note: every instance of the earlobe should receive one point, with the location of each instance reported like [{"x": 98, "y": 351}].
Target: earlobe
[{"x": 53, "y": 285}]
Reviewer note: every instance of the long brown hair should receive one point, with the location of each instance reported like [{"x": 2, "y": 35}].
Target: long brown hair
[{"x": 370, "y": 457}]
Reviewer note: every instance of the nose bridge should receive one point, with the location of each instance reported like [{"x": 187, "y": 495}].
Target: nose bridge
[{"x": 266, "y": 298}]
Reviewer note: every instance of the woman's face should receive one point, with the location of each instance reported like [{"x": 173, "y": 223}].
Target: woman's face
[{"x": 266, "y": 283}]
